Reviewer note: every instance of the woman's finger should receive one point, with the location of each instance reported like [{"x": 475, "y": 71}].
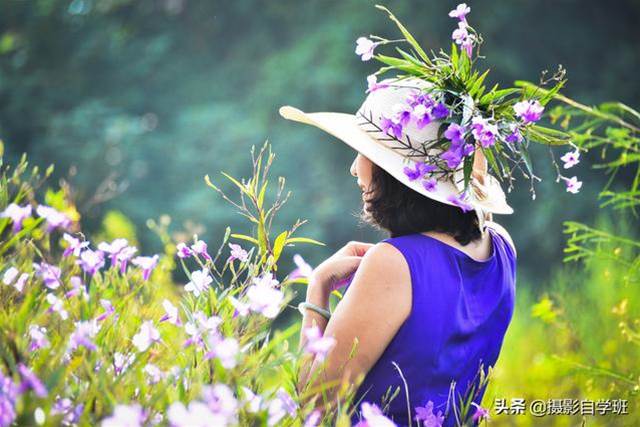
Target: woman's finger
[{"x": 357, "y": 248}]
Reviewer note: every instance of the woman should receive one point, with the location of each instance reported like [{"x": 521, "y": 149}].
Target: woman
[{"x": 430, "y": 305}]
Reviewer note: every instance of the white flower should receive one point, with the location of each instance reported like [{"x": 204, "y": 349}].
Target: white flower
[
  {"x": 200, "y": 281},
  {"x": 147, "y": 335}
]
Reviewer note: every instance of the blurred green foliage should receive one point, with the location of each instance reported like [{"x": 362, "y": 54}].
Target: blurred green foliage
[{"x": 135, "y": 101}]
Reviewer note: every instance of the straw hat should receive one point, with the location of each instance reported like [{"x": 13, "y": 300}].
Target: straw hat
[{"x": 365, "y": 133}]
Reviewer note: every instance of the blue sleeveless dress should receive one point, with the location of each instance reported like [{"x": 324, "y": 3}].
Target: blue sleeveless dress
[{"x": 460, "y": 312}]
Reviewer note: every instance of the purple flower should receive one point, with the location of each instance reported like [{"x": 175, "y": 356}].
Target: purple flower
[
  {"x": 54, "y": 218},
  {"x": 171, "y": 313},
  {"x": 571, "y": 158},
  {"x": 197, "y": 414},
  {"x": 200, "y": 281},
  {"x": 50, "y": 274},
  {"x": 373, "y": 416},
  {"x": 38, "y": 337},
  {"x": 391, "y": 128},
  {"x": 201, "y": 325},
  {"x": 31, "y": 381},
  {"x": 91, "y": 261},
  {"x": 200, "y": 248},
  {"x": 147, "y": 335},
  {"x": 154, "y": 373},
  {"x": 430, "y": 184},
  {"x": 226, "y": 350},
  {"x": 515, "y": 136},
  {"x": 264, "y": 297},
  {"x": 373, "y": 85},
  {"x": 440, "y": 111},
  {"x": 313, "y": 419},
  {"x": 22, "y": 280},
  {"x": 122, "y": 362},
  {"x": 77, "y": 287},
  {"x": 455, "y": 133},
  {"x": 480, "y": 413},
  {"x": 460, "y": 12},
  {"x": 365, "y": 48},
  {"x": 428, "y": 418},
  {"x": 183, "y": 251},
  {"x": 108, "y": 310},
  {"x": 401, "y": 114},
  {"x": 220, "y": 400},
  {"x": 83, "y": 335},
  {"x": 75, "y": 245},
  {"x": 453, "y": 156},
  {"x": 573, "y": 185},
  {"x": 317, "y": 344},
  {"x": 483, "y": 132},
  {"x": 460, "y": 202},
  {"x": 123, "y": 257},
  {"x": 57, "y": 305},
  {"x": 147, "y": 264},
  {"x": 17, "y": 214},
  {"x": 420, "y": 169},
  {"x": 462, "y": 37},
  {"x": 241, "y": 308},
  {"x": 125, "y": 415},
  {"x": 8, "y": 395},
  {"x": 422, "y": 115},
  {"x": 302, "y": 268},
  {"x": 238, "y": 253},
  {"x": 417, "y": 97},
  {"x": 113, "y": 248},
  {"x": 528, "y": 110}
]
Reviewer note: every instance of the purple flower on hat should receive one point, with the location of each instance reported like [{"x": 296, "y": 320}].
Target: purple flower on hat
[
  {"x": 440, "y": 111},
  {"x": 238, "y": 253},
  {"x": 365, "y": 48},
  {"x": 402, "y": 113},
  {"x": 422, "y": 115},
  {"x": 183, "y": 251},
  {"x": 430, "y": 184},
  {"x": 515, "y": 135},
  {"x": 147, "y": 264},
  {"x": 573, "y": 185},
  {"x": 453, "y": 156},
  {"x": 54, "y": 218},
  {"x": 483, "y": 132},
  {"x": 468, "y": 149},
  {"x": 460, "y": 12},
  {"x": 455, "y": 133},
  {"x": 17, "y": 214},
  {"x": 31, "y": 381},
  {"x": 91, "y": 261},
  {"x": 419, "y": 170},
  {"x": 373, "y": 85},
  {"x": 460, "y": 202},
  {"x": 571, "y": 158},
  {"x": 528, "y": 110},
  {"x": 428, "y": 418},
  {"x": 391, "y": 128}
]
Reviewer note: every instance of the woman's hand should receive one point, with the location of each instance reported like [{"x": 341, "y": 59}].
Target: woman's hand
[{"x": 338, "y": 267}]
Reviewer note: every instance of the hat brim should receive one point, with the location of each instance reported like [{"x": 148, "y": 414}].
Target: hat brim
[{"x": 345, "y": 127}]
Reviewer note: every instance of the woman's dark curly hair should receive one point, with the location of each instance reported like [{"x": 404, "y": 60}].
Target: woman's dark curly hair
[{"x": 394, "y": 207}]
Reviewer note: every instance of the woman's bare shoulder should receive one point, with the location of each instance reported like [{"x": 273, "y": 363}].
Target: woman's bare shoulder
[{"x": 503, "y": 232}]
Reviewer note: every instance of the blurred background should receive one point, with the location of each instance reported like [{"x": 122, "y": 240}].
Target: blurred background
[{"x": 135, "y": 101}]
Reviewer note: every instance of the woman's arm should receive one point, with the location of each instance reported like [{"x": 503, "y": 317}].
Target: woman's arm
[{"x": 369, "y": 315}]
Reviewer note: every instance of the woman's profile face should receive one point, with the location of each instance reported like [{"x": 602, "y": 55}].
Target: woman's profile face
[{"x": 362, "y": 169}]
